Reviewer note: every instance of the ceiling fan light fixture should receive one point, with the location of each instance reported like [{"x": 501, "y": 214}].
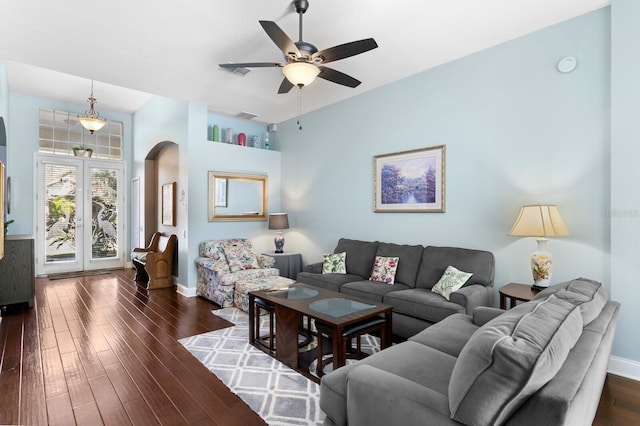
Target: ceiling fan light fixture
[
  {"x": 91, "y": 119},
  {"x": 300, "y": 73}
]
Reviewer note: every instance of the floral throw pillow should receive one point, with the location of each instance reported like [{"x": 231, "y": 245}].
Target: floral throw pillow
[
  {"x": 334, "y": 263},
  {"x": 452, "y": 280},
  {"x": 384, "y": 269},
  {"x": 240, "y": 255}
]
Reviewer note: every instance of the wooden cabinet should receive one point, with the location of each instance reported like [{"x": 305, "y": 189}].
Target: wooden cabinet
[{"x": 17, "y": 270}]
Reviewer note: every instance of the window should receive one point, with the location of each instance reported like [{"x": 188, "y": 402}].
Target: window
[{"x": 60, "y": 131}]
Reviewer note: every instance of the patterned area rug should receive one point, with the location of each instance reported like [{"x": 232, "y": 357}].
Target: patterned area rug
[{"x": 280, "y": 395}]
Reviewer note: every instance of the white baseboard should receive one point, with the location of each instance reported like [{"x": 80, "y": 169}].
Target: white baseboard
[
  {"x": 624, "y": 367},
  {"x": 185, "y": 291}
]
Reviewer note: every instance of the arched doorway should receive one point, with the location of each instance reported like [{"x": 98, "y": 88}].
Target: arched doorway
[{"x": 161, "y": 166}]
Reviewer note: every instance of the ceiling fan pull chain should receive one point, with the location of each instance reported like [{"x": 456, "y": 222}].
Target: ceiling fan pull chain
[{"x": 299, "y": 108}]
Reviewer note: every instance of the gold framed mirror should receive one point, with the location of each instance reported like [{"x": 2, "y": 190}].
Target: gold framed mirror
[{"x": 237, "y": 197}]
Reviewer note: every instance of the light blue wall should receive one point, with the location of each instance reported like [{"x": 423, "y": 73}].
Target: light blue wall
[
  {"x": 625, "y": 174},
  {"x": 159, "y": 120},
  {"x": 516, "y": 132},
  {"x": 22, "y": 145},
  {"x": 205, "y": 156},
  {"x": 4, "y": 106},
  {"x": 185, "y": 123}
]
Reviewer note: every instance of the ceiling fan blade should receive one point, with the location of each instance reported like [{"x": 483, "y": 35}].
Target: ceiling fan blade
[
  {"x": 285, "y": 86},
  {"x": 252, "y": 65},
  {"x": 280, "y": 38},
  {"x": 338, "y": 77},
  {"x": 346, "y": 50}
]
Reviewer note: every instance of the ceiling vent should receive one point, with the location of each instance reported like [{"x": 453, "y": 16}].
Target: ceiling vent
[
  {"x": 246, "y": 115},
  {"x": 241, "y": 71}
]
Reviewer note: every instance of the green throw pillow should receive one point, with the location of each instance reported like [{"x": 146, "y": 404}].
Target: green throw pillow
[
  {"x": 450, "y": 281},
  {"x": 334, "y": 263}
]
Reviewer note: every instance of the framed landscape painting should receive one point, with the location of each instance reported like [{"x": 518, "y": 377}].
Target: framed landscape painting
[{"x": 410, "y": 181}]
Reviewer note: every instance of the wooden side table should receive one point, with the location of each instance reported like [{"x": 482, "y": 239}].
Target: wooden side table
[
  {"x": 289, "y": 264},
  {"x": 515, "y": 292}
]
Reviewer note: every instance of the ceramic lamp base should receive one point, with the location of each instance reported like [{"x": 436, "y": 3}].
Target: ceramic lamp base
[
  {"x": 279, "y": 242},
  {"x": 541, "y": 265}
]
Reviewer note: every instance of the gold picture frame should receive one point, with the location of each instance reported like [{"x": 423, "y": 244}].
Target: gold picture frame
[
  {"x": 410, "y": 181},
  {"x": 169, "y": 204}
]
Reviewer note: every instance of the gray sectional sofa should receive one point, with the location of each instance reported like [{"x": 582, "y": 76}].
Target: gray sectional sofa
[
  {"x": 415, "y": 306},
  {"x": 541, "y": 363}
]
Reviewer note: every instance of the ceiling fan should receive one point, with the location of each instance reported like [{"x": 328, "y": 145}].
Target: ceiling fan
[{"x": 303, "y": 60}]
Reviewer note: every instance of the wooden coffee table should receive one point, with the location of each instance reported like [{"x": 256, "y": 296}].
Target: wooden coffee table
[{"x": 335, "y": 310}]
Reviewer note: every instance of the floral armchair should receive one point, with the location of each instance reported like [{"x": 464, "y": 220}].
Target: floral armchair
[{"x": 222, "y": 263}]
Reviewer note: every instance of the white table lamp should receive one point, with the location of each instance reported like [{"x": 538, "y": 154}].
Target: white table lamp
[{"x": 540, "y": 221}]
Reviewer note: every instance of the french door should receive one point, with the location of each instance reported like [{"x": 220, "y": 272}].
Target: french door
[{"x": 79, "y": 201}]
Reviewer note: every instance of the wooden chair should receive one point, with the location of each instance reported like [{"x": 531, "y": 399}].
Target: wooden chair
[{"x": 154, "y": 264}]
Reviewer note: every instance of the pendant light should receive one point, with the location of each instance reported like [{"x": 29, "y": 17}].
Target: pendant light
[{"x": 91, "y": 119}]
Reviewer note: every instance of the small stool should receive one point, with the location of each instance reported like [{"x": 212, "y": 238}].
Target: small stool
[
  {"x": 260, "y": 304},
  {"x": 263, "y": 305},
  {"x": 348, "y": 333}
]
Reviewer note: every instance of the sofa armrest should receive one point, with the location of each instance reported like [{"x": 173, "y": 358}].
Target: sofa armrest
[
  {"x": 314, "y": 268},
  {"x": 379, "y": 397},
  {"x": 470, "y": 297},
  {"x": 484, "y": 314},
  {"x": 213, "y": 264},
  {"x": 266, "y": 261}
]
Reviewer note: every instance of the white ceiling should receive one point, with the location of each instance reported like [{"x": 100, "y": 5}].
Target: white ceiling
[{"x": 134, "y": 48}]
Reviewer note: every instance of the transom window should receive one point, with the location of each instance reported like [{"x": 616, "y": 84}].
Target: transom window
[{"x": 60, "y": 132}]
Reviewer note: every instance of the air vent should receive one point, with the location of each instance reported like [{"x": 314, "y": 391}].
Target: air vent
[
  {"x": 241, "y": 71},
  {"x": 246, "y": 115}
]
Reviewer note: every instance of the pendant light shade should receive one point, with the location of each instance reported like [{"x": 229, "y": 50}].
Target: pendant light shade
[
  {"x": 300, "y": 73},
  {"x": 91, "y": 119}
]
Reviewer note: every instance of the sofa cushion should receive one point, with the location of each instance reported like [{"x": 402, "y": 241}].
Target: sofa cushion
[
  {"x": 571, "y": 397},
  {"x": 588, "y": 294},
  {"x": 360, "y": 255},
  {"x": 370, "y": 290},
  {"x": 334, "y": 263},
  {"x": 514, "y": 355},
  {"x": 449, "y": 335},
  {"x": 450, "y": 281},
  {"x": 408, "y": 263},
  {"x": 420, "y": 364},
  {"x": 421, "y": 303},
  {"x": 329, "y": 281},
  {"x": 384, "y": 269},
  {"x": 212, "y": 248},
  {"x": 240, "y": 255},
  {"x": 435, "y": 261}
]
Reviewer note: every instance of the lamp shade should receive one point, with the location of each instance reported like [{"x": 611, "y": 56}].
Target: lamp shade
[
  {"x": 300, "y": 73},
  {"x": 278, "y": 221},
  {"x": 92, "y": 124},
  {"x": 539, "y": 221}
]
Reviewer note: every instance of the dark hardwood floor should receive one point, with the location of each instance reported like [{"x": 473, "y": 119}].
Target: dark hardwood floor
[{"x": 99, "y": 350}]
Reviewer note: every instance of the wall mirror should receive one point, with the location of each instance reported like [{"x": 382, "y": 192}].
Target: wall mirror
[{"x": 237, "y": 197}]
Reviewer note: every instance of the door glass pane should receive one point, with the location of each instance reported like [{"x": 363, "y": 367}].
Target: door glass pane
[
  {"x": 104, "y": 213},
  {"x": 60, "y": 213}
]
